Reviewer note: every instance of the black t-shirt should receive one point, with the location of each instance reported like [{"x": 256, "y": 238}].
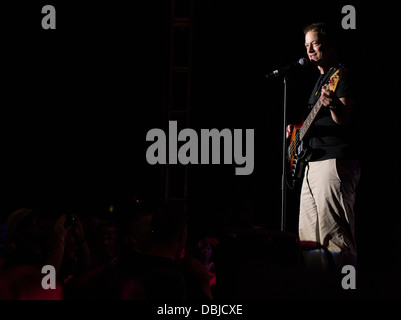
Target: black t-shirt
[{"x": 327, "y": 139}]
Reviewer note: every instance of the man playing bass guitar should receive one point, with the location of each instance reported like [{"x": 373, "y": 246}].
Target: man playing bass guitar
[{"x": 332, "y": 172}]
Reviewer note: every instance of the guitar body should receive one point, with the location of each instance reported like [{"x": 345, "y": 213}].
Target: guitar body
[{"x": 298, "y": 154}]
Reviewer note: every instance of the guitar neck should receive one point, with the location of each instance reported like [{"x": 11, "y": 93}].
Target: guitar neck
[
  {"x": 332, "y": 83},
  {"x": 304, "y": 130}
]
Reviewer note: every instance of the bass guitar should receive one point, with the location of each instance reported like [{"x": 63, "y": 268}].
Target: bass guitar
[{"x": 298, "y": 153}]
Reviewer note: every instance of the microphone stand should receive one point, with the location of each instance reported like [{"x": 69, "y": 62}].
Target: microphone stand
[
  {"x": 283, "y": 173},
  {"x": 283, "y": 71}
]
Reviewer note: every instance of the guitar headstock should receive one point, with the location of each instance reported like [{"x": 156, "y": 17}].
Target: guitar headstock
[{"x": 334, "y": 79}]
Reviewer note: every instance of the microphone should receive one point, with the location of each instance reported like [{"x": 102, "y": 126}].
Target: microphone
[{"x": 303, "y": 62}]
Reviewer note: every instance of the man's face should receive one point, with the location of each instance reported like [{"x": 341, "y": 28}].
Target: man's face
[{"x": 313, "y": 47}]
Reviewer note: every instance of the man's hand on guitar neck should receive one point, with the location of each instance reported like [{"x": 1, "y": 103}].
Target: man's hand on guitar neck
[
  {"x": 340, "y": 107},
  {"x": 328, "y": 98}
]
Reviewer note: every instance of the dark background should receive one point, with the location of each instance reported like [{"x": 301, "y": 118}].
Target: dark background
[{"x": 77, "y": 102}]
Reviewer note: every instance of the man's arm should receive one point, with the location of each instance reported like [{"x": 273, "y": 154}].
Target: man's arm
[{"x": 340, "y": 108}]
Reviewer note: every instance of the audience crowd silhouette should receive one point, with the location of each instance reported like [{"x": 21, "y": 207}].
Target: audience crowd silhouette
[
  {"x": 136, "y": 252},
  {"x": 139, "y": 254}
]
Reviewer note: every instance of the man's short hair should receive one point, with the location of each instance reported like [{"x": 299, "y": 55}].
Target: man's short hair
[{"x": 326, "y": 32}]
